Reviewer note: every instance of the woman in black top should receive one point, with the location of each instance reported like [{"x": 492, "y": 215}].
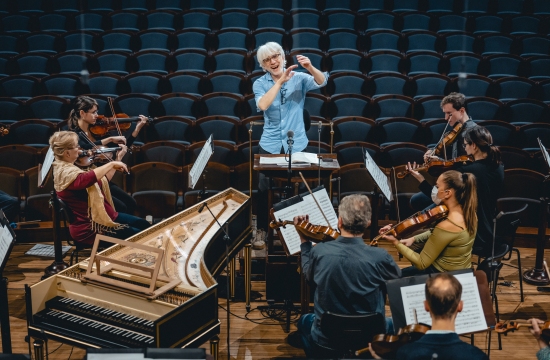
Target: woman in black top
[
  {"x": 84, "y": 114},
  {"x": 489, "y": 173}
]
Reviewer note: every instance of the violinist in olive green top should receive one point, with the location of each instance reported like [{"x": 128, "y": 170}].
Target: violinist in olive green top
[{"x": 448, "y": 246}]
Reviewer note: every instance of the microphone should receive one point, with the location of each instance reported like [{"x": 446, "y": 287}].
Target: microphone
[
  {"x": 201, "y": 208},
  {"x": 290, "y": 135},
  {"x": 499, "y": 215}
]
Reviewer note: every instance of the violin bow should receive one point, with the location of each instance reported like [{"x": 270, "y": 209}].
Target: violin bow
[
  {"x": 441, "y": 138},
  {"x": 110, "y": 100},
  {"x": 95, "y": 147},
  {"x": 313, "y": 196}
]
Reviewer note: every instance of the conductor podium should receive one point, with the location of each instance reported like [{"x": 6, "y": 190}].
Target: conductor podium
[{"x": 284, "y": 283}]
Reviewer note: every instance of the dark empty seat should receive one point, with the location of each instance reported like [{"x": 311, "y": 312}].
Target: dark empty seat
[
  {"x": 150, "y": 61},
  {"x": 192, "y": 60},
  {"x": 389, "y": 106},
  {"x": 473, "y": 85},
  {"x": 526, "y": 111},
  {"x": 463, "y": 64},
  {"x": 346, "y": 61},
  {"x": 384, "y": 62},
  {"x": 349, "y": 105},
  {"x": 20, "y": 87},
  {"x": 342, "y": 83},
  {"x": 115, "y": 62},
  {"x": 423, "y": 62},
  {"x": 430, "y": 84},
  {"x": 385, "y": 84},
  {"x": 179, "y": 104},
  {"x": 377, "y": 20},
  {"x": 383, "y": 40},
  {"x": 483, "y": 108},
  {"x": 538, "y": 68}
]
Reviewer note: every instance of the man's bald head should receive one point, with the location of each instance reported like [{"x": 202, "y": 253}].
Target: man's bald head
[{"x": 443, "y": 292}]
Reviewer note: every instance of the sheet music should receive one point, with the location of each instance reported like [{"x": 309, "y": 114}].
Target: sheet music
[
  {"x": 5, "y": 243},
  {"x": 200, "y": 163},
  {"x": 378, "y": 176},
  {"x": 471, "y": 319},
  {"x": 299, "y": 157},
  {"x": 46, "y": 166},
  {"x": 306, "y": 206},
  {"x": 544, "y": 153}
]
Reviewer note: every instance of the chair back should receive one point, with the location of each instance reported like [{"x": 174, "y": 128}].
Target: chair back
[
  {"x": 348, "y": 333},
  {"x": 507, "y": 225},
  {"x": 61, "y": 212}
]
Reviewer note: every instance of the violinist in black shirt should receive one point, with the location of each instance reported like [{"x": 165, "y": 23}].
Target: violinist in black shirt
[{"x": 489, "y": 173}]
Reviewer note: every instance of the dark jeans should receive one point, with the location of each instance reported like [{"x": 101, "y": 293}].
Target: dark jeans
[
  {"x": 413, "y": 271},
  {"x": 264, "y": 184},
  {"x": 305, "y": 323},
  {"x": 9, "y": 205},
  {"x": 135, "y": 225},
  {"x": 123, "y": 202}
]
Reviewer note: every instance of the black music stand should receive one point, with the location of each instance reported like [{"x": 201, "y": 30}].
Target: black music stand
[
  {"x": 7, "y": 240},
  {"x": 539, "y": 275},
  {"x": 382, "y": 186}
]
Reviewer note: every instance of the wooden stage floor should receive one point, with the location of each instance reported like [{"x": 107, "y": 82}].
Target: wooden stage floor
[{"x": 253, "y": 336}]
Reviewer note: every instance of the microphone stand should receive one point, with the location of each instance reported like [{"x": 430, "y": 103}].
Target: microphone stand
[
  {"x": 288, "y": 188},
  {"x": 319, "y": 157},
  {"x": 227, "y": 241},
  {"x": 494, "y": 265}
]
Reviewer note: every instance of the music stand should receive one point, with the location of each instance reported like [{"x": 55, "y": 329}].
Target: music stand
[
  {"x": 383, "y": 186},
  {"x": 7, "y": 240},
  {"x": 539, "y": 275},
  {"x": 44, "y": 169},
  {"x": 200, "y": 164}
]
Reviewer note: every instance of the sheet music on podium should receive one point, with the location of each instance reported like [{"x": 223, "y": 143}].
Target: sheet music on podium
[
  {"x": 299, "y": 205},
  {"x": 471, "y": 319},
  {"x": 378, "y": 176},
  {"x": 199, "y": 165}
]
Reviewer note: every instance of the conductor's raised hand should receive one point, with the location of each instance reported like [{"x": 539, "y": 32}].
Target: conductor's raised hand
[
  {"x": 304, "y": 61},
  {"x": 288, "y": 74}
]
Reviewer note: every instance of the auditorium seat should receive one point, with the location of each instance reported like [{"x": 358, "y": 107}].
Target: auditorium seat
[
  {"x": 236, "y": 19},
  {"x": 523, "y": 25},
  {"x": 342, "y": 39},
  {"x": 264, "y": 35},
  {"x": 148, "y": 83},
  {"x": 382, "y": 62},
  {"x": 484, "y": 108},
  {"x": 391, "y": 106},
  {"x": 135, "y": 104},
  {"x": 428, "y": 108},
  {"x": 227, "y": 81},
  {"x": 21, "y": 87},
  {"x": 513, "y": 87},
  {"x": 221, "y": 104},
  {"x": 534, "y": 45},
  {"x": 62, "y": 85},
  {"x": 161, "y": 20},
  {"x": 342, "y": 83},
  {"x": 538, "y": 68},
  {"x": 125, "y": 20},
  {"x": 32, "y": 132},
  {"x": 377, "y": 20},
  {"x": 429, "y": 84},
  {"x": 191, "y": 60},
  {"x": 230, "y": 60},
  {"x": 104, "y": 84},
  {"x": 78, "y": 41},
  {"x": 158, "y": 40},
  {"x": 463, "y": 64},
  {"x": 150, "y": 61},
  {"x": 487, "y": 24},
  {"x": 345, "y": 61},
  {"x": 458, "y": 42},
  {"x": 502, "y": 65},
  {"x": 178, "y": 129},
  {"x": 179, "y": 104},
  {"x": 451, "y": 23},
  {"x": 273, "y": 19},
  {"x": 222, "y": 128},
  {"x": 196, "y": 19},
  {"x": 383, "y": 40},
  {"x": 39, "y": 42},
  {"x": 503, "y": 133},
  {"x": 353, "y": 129},
  {"x": 423, "y": 62},
  {"x": 48, "y": 107},
  {"x": 349, "y": 105},
  {"x": 185, "y": 82},
  {"x": 416, "y": 21},
  {"x": 385, "y": 84},
  {"x": 231, "y": 39},
  {"x": 91, "y": 21},
  {"x": 399, "y": 129},
  {"x": 526, "y": 111},
  {"x": 117, "y": 40},
  {"x": 473, "y": 85},
  {"x": 422, "y": 41},
  {"x": 340, "y": 19}
]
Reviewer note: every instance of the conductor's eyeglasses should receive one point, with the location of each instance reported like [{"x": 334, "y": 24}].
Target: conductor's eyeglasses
[{"x": 268, "y": 59}]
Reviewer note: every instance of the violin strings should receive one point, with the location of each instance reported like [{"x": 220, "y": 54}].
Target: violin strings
[{"x": 94, "y": 146}]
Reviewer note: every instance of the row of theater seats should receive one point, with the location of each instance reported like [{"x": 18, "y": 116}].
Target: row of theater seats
[
  {"x": 377, "y": 62},
  {"x": 179, "y": 141},
  {"x": 539, "y": 7},
  {"x": 24, "y": 87},
  {"x": 56, "y": 109},
  {"x": 161, "y": 189},
  {"x": 244, "y": 40}
]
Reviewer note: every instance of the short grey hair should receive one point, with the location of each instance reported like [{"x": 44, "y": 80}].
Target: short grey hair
[
  {"x": 355, "y": 212},
  {"x": 268, "y": 49}
]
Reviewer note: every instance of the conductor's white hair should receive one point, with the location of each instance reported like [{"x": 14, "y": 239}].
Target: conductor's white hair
[{"x": 268, "y": 49}]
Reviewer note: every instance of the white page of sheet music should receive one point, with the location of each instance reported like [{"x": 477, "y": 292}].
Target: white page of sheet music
[
  {"x": 544, "y": 153},
  {"x": 5, "y": 242},
  {"x": 306, "y": 206},
  {"x": 471, "y": 319},
  {"x": 378, "y": 176},
  {"x": 200, "y": 163}
]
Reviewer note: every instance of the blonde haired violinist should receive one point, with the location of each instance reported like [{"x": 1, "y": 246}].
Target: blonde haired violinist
[{"x": 448, "y": 246}]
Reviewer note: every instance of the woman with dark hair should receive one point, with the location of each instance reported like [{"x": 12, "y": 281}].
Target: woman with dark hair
[
  {"x": 86, "y": 193},
  {"x": 448, "y": 246},
  {"x": 84, "y": 114},
  {"x": 489, "y": 173}
]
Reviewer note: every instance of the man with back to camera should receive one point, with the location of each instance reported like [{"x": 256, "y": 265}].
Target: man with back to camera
[
  {"x": 349, "y": 275},
  {"x": 281, "y": 94},
  {"x": 443, "y": 293}
]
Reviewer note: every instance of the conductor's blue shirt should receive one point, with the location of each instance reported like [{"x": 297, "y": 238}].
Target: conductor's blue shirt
[{"x": 286, "y": 111}]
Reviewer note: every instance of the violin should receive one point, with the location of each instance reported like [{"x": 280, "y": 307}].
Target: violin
[
  {"x": 448, "y": 139},
  {"x": 415, "y": 222},
  {"x": 4, "y": 130},
  {"x": 387, "y": 345},
  {"x": 99, "y": 154},
  {"x": 503, "y": 328},
  {"x": 439, "y": 164},
  {"x": 105, "y": 124},
  {"x": 315, "y": 233}
]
